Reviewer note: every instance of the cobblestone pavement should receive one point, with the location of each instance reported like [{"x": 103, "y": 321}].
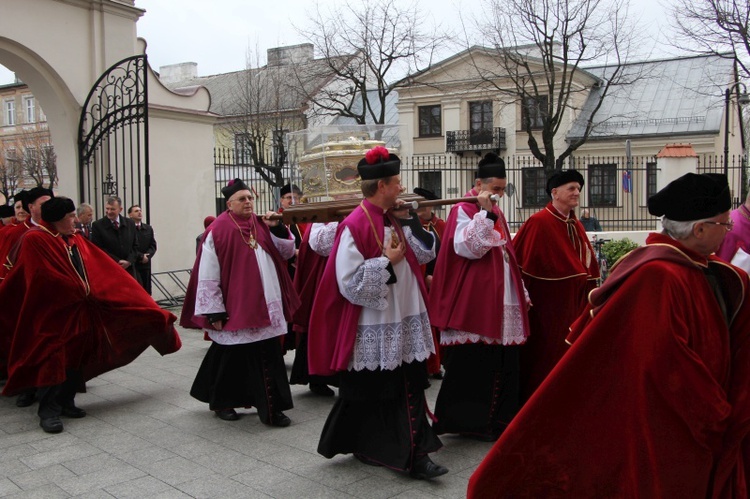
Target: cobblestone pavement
[{"x": 144, "y": 436}]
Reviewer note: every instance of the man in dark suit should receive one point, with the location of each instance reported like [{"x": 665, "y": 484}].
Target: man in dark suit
[
  {"x": 115, "y": 235},
  {"x": 84, "y": 217},
  {"x": 146, "y": 246}
]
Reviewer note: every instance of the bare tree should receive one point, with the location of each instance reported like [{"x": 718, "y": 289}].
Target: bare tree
[
  {"x": 538, "y": 51},
  {"x": 38, "y": 157},
  {"x": 258, "y": 113},
  {"x": 366, "y": 45},
  {"x": 717, "y": 27},
  {"x": 10, "y": 170}
]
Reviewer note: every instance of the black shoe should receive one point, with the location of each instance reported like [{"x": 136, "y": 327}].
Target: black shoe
[
  {"x": 51, "y": 425},
  {"x": 321, "y": 389},
  {"x": 424, "y": 468},
  {"x": 71, "y": 411},
  {"x": 26, "y": 399},
  {"x": 366, "y": 460},
  {"x": 227, "y": 414},
  {"x": 437, "y": 375},
  {"x": 279, "y": 419}
]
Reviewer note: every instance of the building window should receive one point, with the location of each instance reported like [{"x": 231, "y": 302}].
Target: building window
[
  {"x": 30, "y": 157},
  {"x": 650, "y": 179},
  {"x": 602, "y": 183},
  {"x": 10, "y": 156},
  {"x": 430, "y": 121},
  {"x": 534, "y": 187},
  {"x": 242, "y": 149},
  {"x": 533, "y": 112},
  {"x": 9, "y": 106},
  {"x": 480, "y": 122},
  {"x": 432, "y": 181},
  {"x": 28, "y": 106}
]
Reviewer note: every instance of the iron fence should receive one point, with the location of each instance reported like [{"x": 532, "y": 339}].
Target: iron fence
[{"x": 616, "y": 188}]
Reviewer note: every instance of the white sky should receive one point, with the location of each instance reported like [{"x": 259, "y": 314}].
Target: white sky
[{"x": 216, "y": 34}]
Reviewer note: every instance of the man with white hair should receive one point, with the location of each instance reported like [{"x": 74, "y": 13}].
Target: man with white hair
[
  {"x": 651, "y": 398},
  {"x": 84, "y": 217},
  {"x": 241, "y": 295}
]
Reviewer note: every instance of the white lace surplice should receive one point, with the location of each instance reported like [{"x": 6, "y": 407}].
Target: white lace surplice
[
  {"x": 473, "y": 239},
  {"x": 322, "y": 237},
  {"x": 209, "y": 298},
  {"x": 393, "y": 327}
]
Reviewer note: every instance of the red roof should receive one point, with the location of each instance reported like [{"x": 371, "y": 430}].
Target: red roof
[{"x": 677, "y": 151}]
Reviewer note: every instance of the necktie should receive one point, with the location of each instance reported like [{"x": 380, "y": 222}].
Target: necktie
[{"x": 116, "y": 223}]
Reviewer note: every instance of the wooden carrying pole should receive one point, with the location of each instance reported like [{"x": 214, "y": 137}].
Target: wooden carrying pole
[{"x": 335, "y": 211}]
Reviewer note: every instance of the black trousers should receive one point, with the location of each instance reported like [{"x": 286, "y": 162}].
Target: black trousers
[
  {"x": 52, "y": 399},
  {"x": 144, "y": 276},
  {"x": 480, "y": 393},
  {"x": 382, "y": 416}
]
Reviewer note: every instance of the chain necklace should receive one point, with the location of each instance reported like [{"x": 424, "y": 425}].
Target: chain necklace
[
  {"x": 250, "y": 241},
  {"x": 394, "y": 235}
]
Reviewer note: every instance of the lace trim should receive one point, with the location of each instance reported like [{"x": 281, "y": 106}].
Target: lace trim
[
  {"x": 513, "y": 333},
  {"x": 325, "y": 238},
  {"x": 285, "y": 247},
  {"x": 423, "y": 255},
  {"x": 253, "y": 334},
  {"x": 208, "y": 298},
  {"x": 367, "y": 287},
  {"x": 481, "y": 235},
  {"x": 387, "y": 346}
]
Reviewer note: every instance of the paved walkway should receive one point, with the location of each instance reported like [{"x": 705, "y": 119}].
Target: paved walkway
[{"x": 144, "y": 436}]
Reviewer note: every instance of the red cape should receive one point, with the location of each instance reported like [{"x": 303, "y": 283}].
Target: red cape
[
  {"x": 558, "y": 278},
  {"x": 451, "y": 305},
  {"x": 243, "y": 295},
  {"x": 62, "y": 322},
  {"x": 310, "y": 267},
  {"x": 8, "y": 240},
  {"x": 638, "y": 407}
]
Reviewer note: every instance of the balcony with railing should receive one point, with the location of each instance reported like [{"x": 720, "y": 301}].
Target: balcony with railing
[{"x": 461, "y": 141}]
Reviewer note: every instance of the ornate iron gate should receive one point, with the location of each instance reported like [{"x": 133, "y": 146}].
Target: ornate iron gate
[{"x": 113, "y": 137}]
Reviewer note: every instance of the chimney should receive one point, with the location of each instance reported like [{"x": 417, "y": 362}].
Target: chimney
[
  {"x": 293, "y": 54},
  {"x": 178, "y": 72}
]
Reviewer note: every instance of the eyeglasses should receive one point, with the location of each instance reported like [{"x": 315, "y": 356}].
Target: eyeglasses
[
  {"x": 244, "y": 198},
  {"x": 727, "y": 225}
]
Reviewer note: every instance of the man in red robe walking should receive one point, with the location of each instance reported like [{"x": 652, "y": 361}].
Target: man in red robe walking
[
  {"x": 559, "y": 269},
  {"x": 241, "y": 295},
  {"x": 435, "y": 225},
  {"x": 479, "y": 395},
  {"x": 369, "y": 324},
  {"x": 73, "y": 315},
  {"x": 651, "y": 400},
  {"x": 312, "y": 257},
  {"x": 30, "y": 204}
]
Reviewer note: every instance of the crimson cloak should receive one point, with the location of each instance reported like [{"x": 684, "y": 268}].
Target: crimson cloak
[
  {"x": 558, "y": 275},
  {"x": 62, "y": 321},
  {"x": 451, "y": 306},
  {"x": 644, "y": 403}
]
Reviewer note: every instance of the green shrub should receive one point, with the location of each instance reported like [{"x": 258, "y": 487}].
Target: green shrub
[{"x": 616, "y": 248}]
